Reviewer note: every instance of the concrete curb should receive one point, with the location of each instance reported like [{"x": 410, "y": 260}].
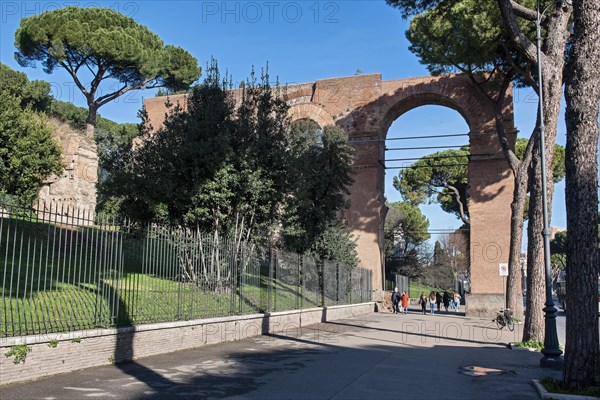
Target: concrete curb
[
  {"x": 544, "y": 394},
  {"x": 101, "y": 346}
]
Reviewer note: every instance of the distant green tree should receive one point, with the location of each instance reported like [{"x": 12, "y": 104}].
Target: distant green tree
[
  {"x": 558, "y": 251},
  {"x": 35, "y": 94},
  {"x": 405, "y": 236},
  {"x": 28, "y": 154},
  {"x": 558, "y": 165},
  {"x": 442, "y": 178},
  {"x": 558, "y": 162},
  {"x": 439, "y": 177},
  {"x": 107, "y": 45}
]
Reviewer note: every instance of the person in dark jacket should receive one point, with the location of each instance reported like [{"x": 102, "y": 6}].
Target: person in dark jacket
[
  {"x": 423, "y": 302},
  {"x": 438, "y": 300},
  {"x": 446, "y": 300},
  {"x": 396, "y": 301}
]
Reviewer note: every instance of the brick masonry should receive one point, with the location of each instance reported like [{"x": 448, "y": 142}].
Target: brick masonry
[
  {"x": 365, "y": 106},
  {"x": 92, "y": 348},
  {"x": 76, "y": 187}
]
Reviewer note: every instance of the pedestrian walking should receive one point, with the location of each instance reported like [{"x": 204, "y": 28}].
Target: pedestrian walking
[
  {"x": 438, "y": 300},
  {"x": 423, "y": 302},
  {"x": 432, "y": 300},
  {"x": 456, "y": 301},
  {"x": 405, "y": 299},
  {"x": 396, "y": 301},
  {"x": 452, "y": 305},
  {"x": 446, "y": 300}
]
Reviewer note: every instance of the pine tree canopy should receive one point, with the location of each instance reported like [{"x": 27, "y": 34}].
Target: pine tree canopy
[{"x": 95, "y": 45}]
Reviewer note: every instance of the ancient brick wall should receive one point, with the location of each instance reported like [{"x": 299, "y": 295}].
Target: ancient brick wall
[
  {"x": 75, "y": 188},
  {"x": 365, "y": 106}
]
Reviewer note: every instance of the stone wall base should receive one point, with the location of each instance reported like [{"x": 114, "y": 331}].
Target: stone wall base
[
  {"x": 66, "y": 352},
  {"x": 484, "y": 305}
]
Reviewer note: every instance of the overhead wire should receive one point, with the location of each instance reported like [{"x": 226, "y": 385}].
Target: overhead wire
[
  {"x": 408, "y": 138},
  {"x": 437, "y": 157},
  {"x": 427, "y": 166},
  {"x": 425, "y": 147}
]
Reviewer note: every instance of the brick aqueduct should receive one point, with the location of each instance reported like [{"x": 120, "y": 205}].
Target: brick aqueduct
[{"x": 365, "y": 106}]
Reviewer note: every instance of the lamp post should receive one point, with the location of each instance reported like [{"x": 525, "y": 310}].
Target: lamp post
[{"x": 551, "y": 351}]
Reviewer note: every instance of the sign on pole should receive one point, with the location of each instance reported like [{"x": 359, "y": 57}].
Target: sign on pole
[{"x": 503, "y": 268}]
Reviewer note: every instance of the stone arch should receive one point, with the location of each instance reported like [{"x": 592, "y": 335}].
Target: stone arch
[
  {"x": 404, "y": 104},
  {"x": 365, "y": 106},
  {"x": 452, "y": 91},
  {"x": 299, "y": 93},
  {"x": 490, "y": 179},
  {"x": 310, "y": 111}
]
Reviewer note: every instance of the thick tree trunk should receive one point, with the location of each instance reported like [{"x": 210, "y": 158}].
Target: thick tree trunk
[
  {"x": 553, "y": 57},
  {"x": 582, "y": 353},
  {"x": 534, "y": 327},
  {"x": 91, "y": 120},
  {"x": 552, "y": 73},
  {"x": 536, "y": 282},
  {"x": 514, "y": 299}
]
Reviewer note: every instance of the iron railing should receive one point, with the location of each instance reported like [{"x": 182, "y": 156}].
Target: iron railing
[
  {"x": 64, "y": 270},
  {"x": 402, "y": 284}
]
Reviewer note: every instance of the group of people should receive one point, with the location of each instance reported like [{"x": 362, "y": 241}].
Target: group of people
[
  {"x": 450, "y": 301},
  {"x": 400, "y": 302}
]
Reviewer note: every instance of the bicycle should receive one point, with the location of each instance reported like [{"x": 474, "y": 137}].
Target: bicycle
[{"x": 504, "y": 318}]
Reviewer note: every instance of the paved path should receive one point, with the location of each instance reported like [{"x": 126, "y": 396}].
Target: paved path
[{"x": 376, "y": 356}]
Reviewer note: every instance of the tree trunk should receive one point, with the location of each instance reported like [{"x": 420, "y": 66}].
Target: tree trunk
[
  {"x": 552, "y": 86},
  {"x": 514, "y": 298},
  {"x": 582, "y": 353},
  {"x": 91, "y": 120},
  {"x": 536, "y": 282}
]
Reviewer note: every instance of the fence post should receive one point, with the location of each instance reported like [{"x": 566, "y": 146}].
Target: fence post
[
  {"x": 337, "y": 283},
  {"x": 299, "y": 292},
  {"x": 270, "y": 280},
  {"x": 322, "y": 281},
  {"x": 240, "y": 280}
]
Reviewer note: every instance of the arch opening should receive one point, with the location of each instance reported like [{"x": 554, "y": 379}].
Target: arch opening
[
  {"x": 431, "y": 100},
  {"x": 415, "y": 130},
  {"x": 307, "y": 132}
]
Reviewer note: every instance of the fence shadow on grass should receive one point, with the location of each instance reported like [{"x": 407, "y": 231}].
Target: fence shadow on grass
[{"x": 123, "y": 355}]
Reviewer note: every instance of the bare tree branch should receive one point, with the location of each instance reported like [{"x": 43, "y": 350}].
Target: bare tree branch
[
  {"x": 522, "y": 42},
  {"x": 461, "y": 209},
  {"x": 524, "y": 12}
]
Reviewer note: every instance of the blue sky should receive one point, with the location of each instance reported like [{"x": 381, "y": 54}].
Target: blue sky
[{"x": 302, "y": 41}]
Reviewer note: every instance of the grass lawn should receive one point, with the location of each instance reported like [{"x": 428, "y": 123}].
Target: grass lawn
[
  {"x": 137, "y": 299},
  {"x": 58, "y": 279},
  {"x": 416, "y": 289}
]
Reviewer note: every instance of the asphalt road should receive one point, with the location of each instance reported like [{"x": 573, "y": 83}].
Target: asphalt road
[{"x": 375, "y": 356}]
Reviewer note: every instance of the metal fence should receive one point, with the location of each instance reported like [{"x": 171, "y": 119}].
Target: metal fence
[
  {"x": 64, "y": 270},
  {"x": 402, "y": 284}
]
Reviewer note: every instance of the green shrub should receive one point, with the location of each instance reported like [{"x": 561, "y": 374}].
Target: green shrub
[
  {"x": 19, "y": 352},
  {"x": 555, "y": 386},
  {"x": 531, "y": 344}
]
